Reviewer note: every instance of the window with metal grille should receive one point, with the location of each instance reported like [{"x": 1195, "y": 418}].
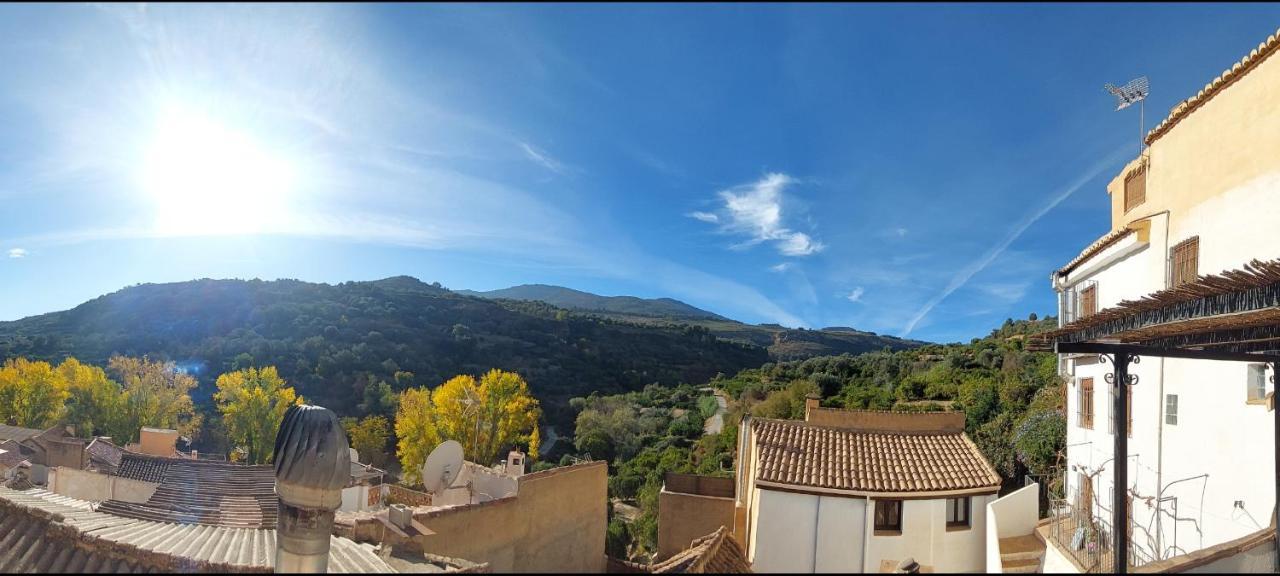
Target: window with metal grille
[
  {"x": 1089, "y": 301},
  {"x": 1135, "y": 188},
  {"x": 888, "y": 516},
  {"x": 1257, "y": 385},
  {"x": 1171, "y": 409},
  {"x": 1184, "y": 262},
  {"x": 957, "y": 513}
]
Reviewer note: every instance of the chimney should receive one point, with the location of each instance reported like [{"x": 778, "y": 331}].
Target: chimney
[
  {"x": 810, "y": 402},
  {"x": 515, "y": 463},
  {"x": 313, "y": 464}
]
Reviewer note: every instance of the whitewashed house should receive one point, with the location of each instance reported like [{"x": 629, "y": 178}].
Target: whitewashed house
[
  {"x": 1201, "y": 199},
  {"x": 862, "y": 491}
]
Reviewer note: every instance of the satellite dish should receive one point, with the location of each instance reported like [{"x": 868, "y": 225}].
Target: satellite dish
[{"x": 442, "y": 467}]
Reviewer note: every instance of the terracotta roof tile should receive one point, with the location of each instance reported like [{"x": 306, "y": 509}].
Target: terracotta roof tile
[
  {"x": 802, "y": 454},
  {"x": 715, "y": 553},
  {"x": 1186, "y": 107}
]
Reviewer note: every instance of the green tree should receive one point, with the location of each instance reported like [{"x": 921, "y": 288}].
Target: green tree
[
  {"x": 96, "y": 405},
  {"x": 253, "y": 402},
  {"x": 156, "y": 395},
  {"x": 369, "y": 437}
]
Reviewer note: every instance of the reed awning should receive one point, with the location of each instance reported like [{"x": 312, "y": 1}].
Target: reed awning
[{"x": 1236, "y": 311}]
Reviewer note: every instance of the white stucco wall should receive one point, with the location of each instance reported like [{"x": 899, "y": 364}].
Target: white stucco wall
[
  {"x": 1013, "y": 515},
  {"x": 96, "y": 487},
  {"x": 795, "y": 532}
]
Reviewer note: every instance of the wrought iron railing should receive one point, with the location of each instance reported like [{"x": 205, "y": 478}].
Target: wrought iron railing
[{"x": 1086, "y": 536}]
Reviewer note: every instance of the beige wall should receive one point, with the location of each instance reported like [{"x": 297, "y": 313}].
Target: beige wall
[
  {"x": 96, "y": 487},
  {"x": 684, "y": 517},
  {"x": 158, "y": 442},
  {"x": 1229, "y": 141},
  {"x": 555, "y": 524}
]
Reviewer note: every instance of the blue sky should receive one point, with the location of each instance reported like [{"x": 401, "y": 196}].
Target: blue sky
[{"x": 910, "y": 170}]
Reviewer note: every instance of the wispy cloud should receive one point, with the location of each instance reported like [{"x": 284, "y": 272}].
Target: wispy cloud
[
  {"x": 541, "y": 157},
  {"x": 856, "y": 294},
  {"x": 755, "y": 210},
  {"x": 965, "y": 274},
  {"x": 781, "y": 267},
  {"x": 17, "y": 253}
]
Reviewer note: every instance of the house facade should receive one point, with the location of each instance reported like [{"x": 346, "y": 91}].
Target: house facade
[
  {"x": 1202, "y": 198},
  {"x": 862, "y": 491}
]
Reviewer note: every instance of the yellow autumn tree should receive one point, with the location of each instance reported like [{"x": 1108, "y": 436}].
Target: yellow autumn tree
[
  {"x": 485, "y": 416},
  {"x": 157, "y": 394},
  {"x": 416, "y": 432},
  {"x": 95, "y": 403},
  {"x": 32, "y": 394},
  {"x": 253, "y": 402}
]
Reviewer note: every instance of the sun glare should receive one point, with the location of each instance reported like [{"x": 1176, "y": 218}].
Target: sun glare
[{"x": 208, "y": 178}]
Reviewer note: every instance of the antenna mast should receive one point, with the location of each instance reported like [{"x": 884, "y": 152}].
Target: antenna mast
[{"x": 1135, "y": 91}]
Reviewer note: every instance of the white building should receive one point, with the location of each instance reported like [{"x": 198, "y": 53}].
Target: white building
[
  {"x": 862, "y": 491},
  {"x": 1203, "y": 198}
]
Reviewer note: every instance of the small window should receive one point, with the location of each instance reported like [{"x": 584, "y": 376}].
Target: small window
[
  {"x": 1257, "y": 386},
  {"x": 957, "y": 513},
  {"x": 1084, "y": 414},
  {"x": 1135, "y": 189},
  {"x": 1171, "y": 409},
  {"x": 1089, "y": 301},
  {"x": 1184, "y": 262},
  {"x": 888, "y": 516}
]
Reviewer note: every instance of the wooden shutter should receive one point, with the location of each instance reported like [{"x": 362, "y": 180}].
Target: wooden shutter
[
  {"x": 1135, "y": 189},
  {"x": 1086, "y": 403},
  {"x": 1186, "y": 260},
  {"x": 1089, "y": 301}
]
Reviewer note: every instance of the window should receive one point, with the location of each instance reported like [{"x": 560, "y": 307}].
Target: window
[
  {"x": 1184, "y": 262},
  {"x": 1171, "y": 409},
  {"x": 888, "y": 516},
  {"x": 1084, "y": 411},
  {"x": 1257, "y": 385},
  {"x": 1135, "y": 188},
  {"x": 1128, "y": 406},
  {"x": 1089, "y": 301},
  {"x": 957, "y": 513}
]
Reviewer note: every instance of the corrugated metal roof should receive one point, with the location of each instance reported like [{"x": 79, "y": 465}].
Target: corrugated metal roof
[{"x": 105, "y": 542}]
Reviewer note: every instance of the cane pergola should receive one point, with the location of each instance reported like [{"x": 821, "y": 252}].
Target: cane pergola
[{"x": 1233, "y": 316}]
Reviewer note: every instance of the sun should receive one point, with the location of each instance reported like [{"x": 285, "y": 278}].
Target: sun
[{"x": 208, "y": 178}]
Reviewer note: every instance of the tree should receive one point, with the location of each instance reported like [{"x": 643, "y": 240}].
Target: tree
[
  {"x": 416, "y": 430},
  {"x": 156, "y": 394},
  {"x": 369, "y": 437},
  {"x": 484, "y": 416},
  {"x": 379, "y": 399},
  {"x": 95, "y": 403},
  {"x": 31, "y": 393},
  {"x": 253, "y": 402}
]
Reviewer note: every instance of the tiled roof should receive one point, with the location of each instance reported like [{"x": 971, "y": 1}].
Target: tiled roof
[
  {"x": 104, "y": 455},
  {"x": 41, "y": 535},
  {"x": 17, "y": 433},
  {"x": 201, "y": 492},
  {"x": 802, "y": 454},
  {"x": 10, "y": 454},
  {"x": 1249, "y": 62},
  {"x": 1093, "y": 249},
  {"x": 715, "y": 553}
]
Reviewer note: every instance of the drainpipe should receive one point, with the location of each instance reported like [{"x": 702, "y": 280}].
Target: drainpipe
[{"x": 313, "y": 463}]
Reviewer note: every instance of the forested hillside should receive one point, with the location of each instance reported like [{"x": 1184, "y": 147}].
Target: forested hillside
[
  {"x": 337, "y": 343},
  {"x": 783, "y": 343}
]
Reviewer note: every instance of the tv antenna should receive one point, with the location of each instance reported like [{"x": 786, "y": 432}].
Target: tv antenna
[
  {"x": 1135, "y": 91},
  {"x": 442, "y": 467}
]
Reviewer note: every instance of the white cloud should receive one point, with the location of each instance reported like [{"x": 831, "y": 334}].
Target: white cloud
[
  {"x": 755, "y": 210},
  {"x": 1006, "y": 291},
  {"x": 856, "y": 295},
  {"x": 17, "y": 253},
  {"x": 541, "y": 157},
  {"x": 782, "y": 267}
]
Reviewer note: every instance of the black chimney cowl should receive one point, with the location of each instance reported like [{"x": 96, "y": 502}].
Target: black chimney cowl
[{"x": 312, "y": 458}]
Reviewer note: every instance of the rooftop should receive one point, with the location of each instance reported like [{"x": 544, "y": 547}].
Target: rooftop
[
  {"x": 17, "y": 433},
  {"x": 42, "y": 532},
  {"x": 200, "y": 492},
  {"x": 925, "y": 454}
]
